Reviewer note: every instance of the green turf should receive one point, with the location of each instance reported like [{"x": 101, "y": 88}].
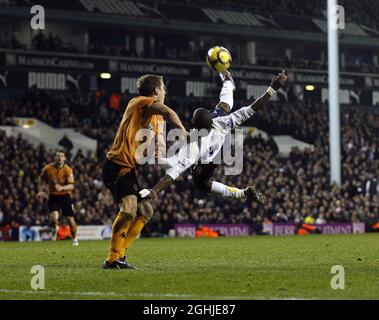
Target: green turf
[{"x": 289, "y": 267}]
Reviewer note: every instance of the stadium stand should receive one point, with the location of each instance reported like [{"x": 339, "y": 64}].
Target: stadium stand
[{"x": 296, "y": 187}]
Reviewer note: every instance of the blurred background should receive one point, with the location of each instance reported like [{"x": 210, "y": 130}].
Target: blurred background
[{"x": 67, "y": 85}]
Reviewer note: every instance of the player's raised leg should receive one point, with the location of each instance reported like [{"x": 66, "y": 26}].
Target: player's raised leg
[{"x": 202, "y": 174}]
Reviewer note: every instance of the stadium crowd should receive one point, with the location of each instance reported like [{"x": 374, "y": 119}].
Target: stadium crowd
[
  {"x": 52, "y": 42},
  {"x": 360, "y": 11},
  {"x": 363, "y": 11},
  {"x": 296, "y": 187}
]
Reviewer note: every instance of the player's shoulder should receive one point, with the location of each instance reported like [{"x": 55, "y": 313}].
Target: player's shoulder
[
  {"x": 142, "y": 101},
  {"x": 222, "y": 123},
  {"x": 49, "y": 166},
  {"x": 217, "y": 112},
  {"x": 68, "y": 168}
]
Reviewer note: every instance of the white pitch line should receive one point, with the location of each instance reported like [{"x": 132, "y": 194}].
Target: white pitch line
[
  {"x": 142, "y": 295},
  {"x": 110, "y": 294}
]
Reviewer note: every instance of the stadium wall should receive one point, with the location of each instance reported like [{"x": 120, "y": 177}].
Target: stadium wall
[
  {"x": 80, "y": 73},
  {"x": 103, "y": 232}
]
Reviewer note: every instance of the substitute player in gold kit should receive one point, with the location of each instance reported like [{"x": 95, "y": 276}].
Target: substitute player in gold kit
[
  {"x": 146, "y": 111},
  {"x": 56, "y": 183}
]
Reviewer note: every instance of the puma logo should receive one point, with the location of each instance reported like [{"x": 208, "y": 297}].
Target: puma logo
[{"x": 75, "y": 82}]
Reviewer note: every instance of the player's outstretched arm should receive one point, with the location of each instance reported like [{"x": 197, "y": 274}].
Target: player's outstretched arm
[
  {"x": 161, "y": 185},
  {"x": 168, "y": 114},
  {"x": 277, "y": 82},
  {"x": 238, "y": 117}
]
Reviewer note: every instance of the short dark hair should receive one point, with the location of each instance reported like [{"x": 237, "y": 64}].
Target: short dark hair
[
  {"x": 148, "y": 83},
  {"x": 202, "y": 119}
]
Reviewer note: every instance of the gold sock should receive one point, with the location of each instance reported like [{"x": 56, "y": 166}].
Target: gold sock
[
  {"x": 134, "y": 231},
  {"x": 120, "y": 229}
]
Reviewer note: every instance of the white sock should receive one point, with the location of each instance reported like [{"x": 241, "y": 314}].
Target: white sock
[
  {"x": 226, "y": 191},
  {"x": 226, "y": 94}
]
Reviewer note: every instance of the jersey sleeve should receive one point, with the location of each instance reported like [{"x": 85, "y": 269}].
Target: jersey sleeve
[
  {"x": 187, "y": 156},
  {"x": 235, "y": 119},
  {"x": 70, "y": 176}
]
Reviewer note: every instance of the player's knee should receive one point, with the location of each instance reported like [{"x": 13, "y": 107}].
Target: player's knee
[
  {"x": 146, "y": 210},
  {"x": 54, "y": 216},
  {"x": 128, "y": 205}
]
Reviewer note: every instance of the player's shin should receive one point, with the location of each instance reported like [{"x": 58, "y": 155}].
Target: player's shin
[
  {"x": 134, "y": 230},
  {"x": 145, "y": 212},
  {"x": 225, "y": 191},
  {"x": 120, "y": 229},
  {"x": 54, "y": 225}
]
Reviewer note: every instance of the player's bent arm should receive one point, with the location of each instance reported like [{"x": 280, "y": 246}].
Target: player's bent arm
[
  {"x": 42, "y": 187},
  {"x": 160, "y": 146},
  {"x": 68, "y": 187},
  {"x": 168, "y": 114},
  {"x": 41, "y": 184}
]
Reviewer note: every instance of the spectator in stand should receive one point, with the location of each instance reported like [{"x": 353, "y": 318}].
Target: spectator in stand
[
  {"x": 66, "y": 143},
  {"x": 115, "y": 101}
]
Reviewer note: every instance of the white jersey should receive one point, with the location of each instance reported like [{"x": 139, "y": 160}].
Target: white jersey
[{"x": 209, "y": 146}]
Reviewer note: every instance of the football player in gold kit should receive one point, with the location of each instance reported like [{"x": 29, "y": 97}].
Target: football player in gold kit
[{"x": 147, "y": 111}]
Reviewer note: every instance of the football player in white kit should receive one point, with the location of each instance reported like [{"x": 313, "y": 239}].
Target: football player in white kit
[{"x": 217, "y": 123}]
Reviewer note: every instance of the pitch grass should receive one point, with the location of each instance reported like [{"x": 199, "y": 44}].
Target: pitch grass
[{"x": 264, "y": 267}]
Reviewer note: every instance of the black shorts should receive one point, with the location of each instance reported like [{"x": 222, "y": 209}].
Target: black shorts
[
  {"x": 61, "y": 204},
  {"x": 203, "y": 173},
  {"x": 120, "y": 186}
]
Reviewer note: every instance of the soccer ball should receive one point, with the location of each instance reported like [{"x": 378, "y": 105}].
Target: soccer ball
[{"x": 219, "y": 59}]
